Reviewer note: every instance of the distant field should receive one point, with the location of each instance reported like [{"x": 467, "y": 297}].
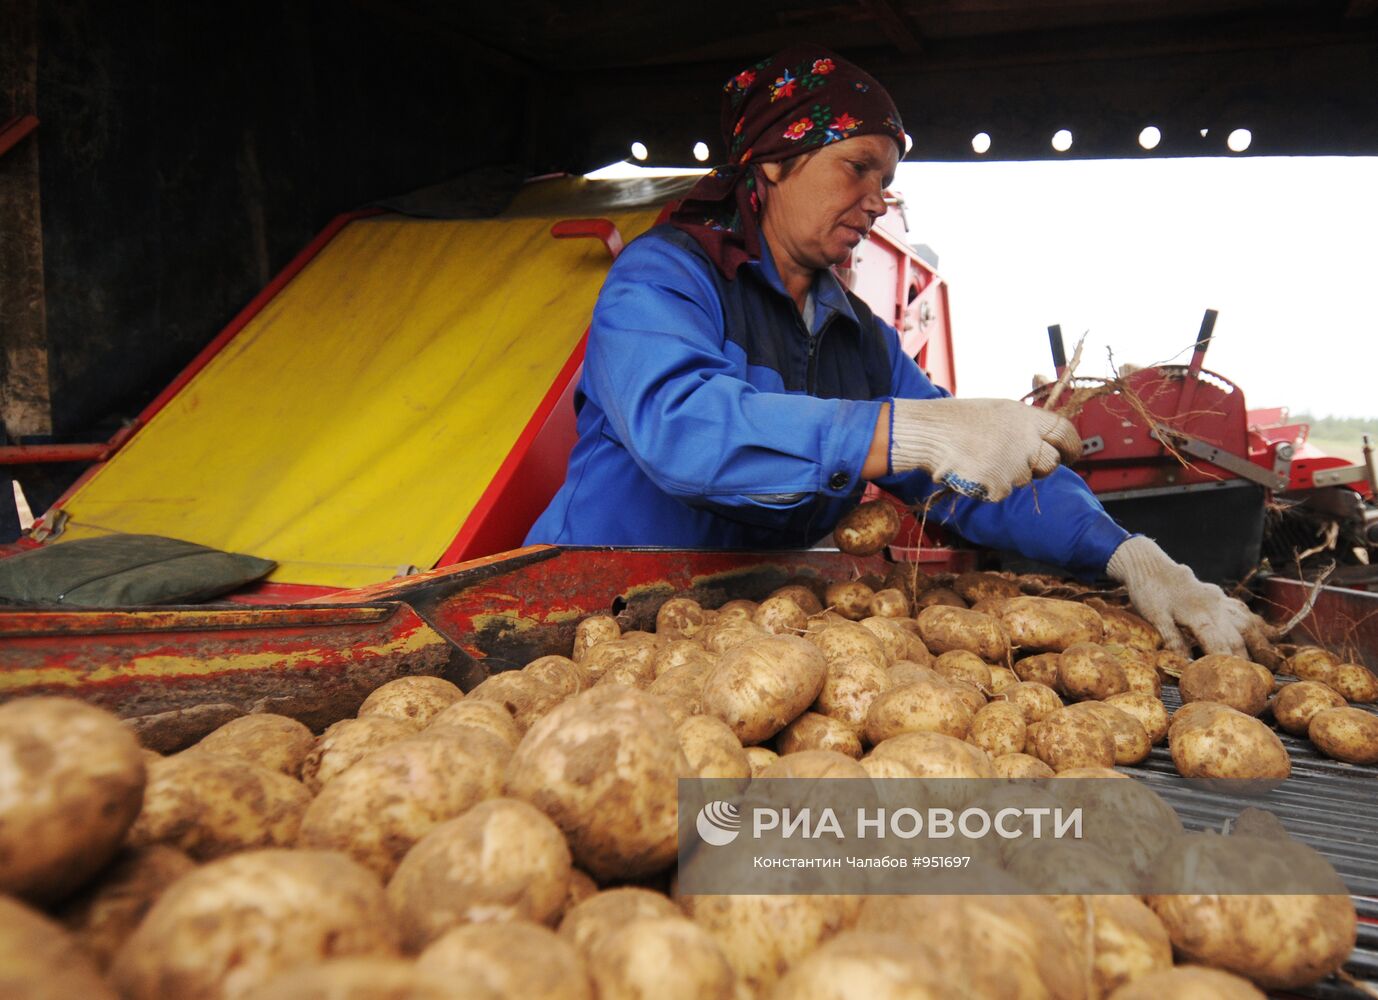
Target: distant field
[{"x": 1341, "y": 446}]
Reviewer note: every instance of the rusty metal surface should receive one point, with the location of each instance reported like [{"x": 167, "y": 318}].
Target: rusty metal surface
[
  {"x": 506, "y": 614},
  {"x": 177, "y": 674},
  {"x": 1344, "y": 621}
]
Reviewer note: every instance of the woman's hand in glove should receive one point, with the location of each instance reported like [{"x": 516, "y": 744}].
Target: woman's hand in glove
[
  {"x": 981, "y": 448},
  {"x": 1168, "y": 595}
]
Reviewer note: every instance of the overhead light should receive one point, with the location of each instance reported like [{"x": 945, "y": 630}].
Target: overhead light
[
  {"x": 980, "y": 143},
  {"x": 639, "y": 151},
  {"x": 1062, "y": 140},
  {"x": 701, "y": 151},
  {"x": 1150, "y": 137},
  {"x": 1239, "y": 140}
]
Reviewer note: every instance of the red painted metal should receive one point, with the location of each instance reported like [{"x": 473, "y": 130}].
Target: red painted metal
[
  {"x": 1342, "y": 620},
  {"x": 14, "y": 130},
  {"x": 603, "y": 230},
  {"x": 1131, "y": 459},
  {"x": 37, "y": 454}
]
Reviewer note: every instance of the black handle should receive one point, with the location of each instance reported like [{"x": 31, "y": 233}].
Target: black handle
[{"x": 1059, "y": 350}]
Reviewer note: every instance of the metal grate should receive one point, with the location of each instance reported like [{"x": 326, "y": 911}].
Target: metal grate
[{"x": 1325, "y": 804}]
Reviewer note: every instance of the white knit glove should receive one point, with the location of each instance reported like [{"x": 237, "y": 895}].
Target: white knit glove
[
  {"x": 981, "y": 448},
  {"x": 1168, "y": 595}
]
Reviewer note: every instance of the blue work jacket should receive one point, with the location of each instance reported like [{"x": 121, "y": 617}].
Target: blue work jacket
[{"x": 710, "y": 416}]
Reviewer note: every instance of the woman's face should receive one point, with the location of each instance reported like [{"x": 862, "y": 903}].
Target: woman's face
[{"x": 815, "y": 213}]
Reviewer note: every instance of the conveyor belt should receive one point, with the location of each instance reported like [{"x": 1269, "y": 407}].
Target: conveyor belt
[{"x": 1326, "y": 804}]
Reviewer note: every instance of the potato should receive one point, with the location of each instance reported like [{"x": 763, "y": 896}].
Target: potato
[
  {"x": 939, "y": 597},
  {"x": 781, "y": 616},
  {"x": 501, "y": 861},
  {"x": 1189, "y": 982},
  {"x": 677, "y": 653},
  {"x": 1057, "y": 867},
  {"x": 1355, "y": 682},
  {"x": 1126, "y": 940},
  {"x": 944, "y": 629},
  {"x": 528, "y": 698},
  {"x": 1124, "y": 628},
  {"x": 1222, "y": 743},
  {"x": 1140, "y": 669},
  {"x": 1278, "y": 941},
  {"x": 870, "y": 966},
  {"x": 1002, "y": 679},
  {"x": 1311, "y": 663},
  {"x": 1036, "y": 701},
  {"x": 71, "y": 783},
  {"x": 363, "y": 979},
  {"x": 761, "y": 936},
  {"x": 760, "y": 758},
  {"x": 349, "y": 740},
  {"x": 212, "y": 806},
  {"x": 721, "y": 636},
  {"x": 1020, "y": 765},
  {"x": 490, "y": 716},
  {"x": 604, "y": 767},
  {"x": 1041, "y": 668},
  {"x": 932, "y": 755},
  {"x": 1044, "y": 624},
  {"x": 998, "y": 729},
  {"x": 608, "y": 911},
  {"x": 761, "y": 687},
  {"x": 414, "y": 700},
  {"x": 886, "y": 767},
  {"x": 1297, "y": 704},
  {"x": 591, "y": 631},
  {"x": 272, "y": 741},
  {"x": 560, "y": 672},
  {"x": 1169, "y": 664},
  {"x": 889, "y": 603},
  {"x": 236, "y": 922},
  {"x": 1194, "y": 714},
  {"x": 518, "y": 959},
  {"x": 909, "y": 671},
  {"x": 1150, "y": 712},
  {"x": 108, "y": 909},
  {"x": 1348, "y": 734},
  {"x": 1226, "y": 679},
  {"x": 1069, "y": 739},
  {"x": 375, "y": 811},
  {"x": 581, "y": 887},
  {"x": 976, "y": 587},
  {"x": 40, "y": 961},
  {"x": 1086, "y": 671},
  {"x": 664, "y": 957},
  {"x": 711, "y": 748},
  {"x": 1132, "y": 743},
  {"x": 681, "y": 689},
  {"x": 897, "y": 640},
  {"x": 867, "y": 528},
  {"x": 961, "y": 666},
  {"x": 812, "y": 731},
  {"x": 922, "y": 706},
  {"x": 850, "y": 598},
  {"x": 801, "y": 595},
  {"x": 849, "y": 688},
  {"x": 680, "y": 618},
  {"x": 995, "y": 946},
  {"x": 738, "y": 608},
  {"x": 813, "y": 764},
  {"x": 631, "y": 653}
]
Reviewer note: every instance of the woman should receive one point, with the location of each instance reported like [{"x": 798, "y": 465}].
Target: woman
[{"x": 734, "y": 395}]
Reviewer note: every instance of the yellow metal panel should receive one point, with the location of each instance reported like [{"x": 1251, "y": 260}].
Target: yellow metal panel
[{"x": 350, "y": 428}]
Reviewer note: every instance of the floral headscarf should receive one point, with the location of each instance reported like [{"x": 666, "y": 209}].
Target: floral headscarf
[{"x": 799, "y": 99}]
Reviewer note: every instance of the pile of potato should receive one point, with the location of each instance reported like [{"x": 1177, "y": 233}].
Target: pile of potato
[{"x": 519, "y": 840}]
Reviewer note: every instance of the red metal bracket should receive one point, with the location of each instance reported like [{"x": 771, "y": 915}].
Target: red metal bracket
[
  {"x": 598, "y": 229},
  {"x": 14, "y": 130}
]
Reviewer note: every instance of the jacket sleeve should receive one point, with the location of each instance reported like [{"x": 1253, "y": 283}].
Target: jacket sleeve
[
  {"x": 1056, "y": 519},
  {"x": 657, "y": 364}
]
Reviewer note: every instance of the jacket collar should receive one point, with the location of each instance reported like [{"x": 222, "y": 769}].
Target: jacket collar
[{"x": 830, "y": 298}]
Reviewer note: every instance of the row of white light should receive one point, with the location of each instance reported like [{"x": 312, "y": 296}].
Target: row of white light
[{"x": 1238, "y": 141}]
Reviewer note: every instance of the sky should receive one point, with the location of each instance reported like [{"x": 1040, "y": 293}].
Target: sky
[{"x": 1133, "y": 252}]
